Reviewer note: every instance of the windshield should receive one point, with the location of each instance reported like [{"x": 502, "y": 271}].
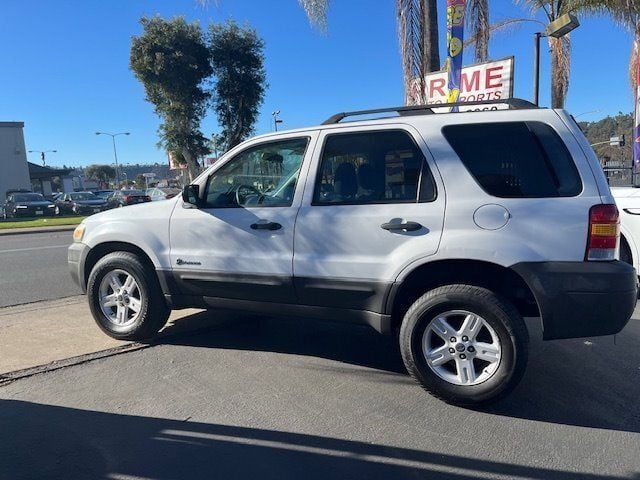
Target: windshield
[
  {"x": 83, "y": 196},
  {"x": 29, "y": 197}
]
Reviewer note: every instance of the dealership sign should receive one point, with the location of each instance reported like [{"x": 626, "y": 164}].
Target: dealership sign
[{"x": 488, "y": 81}]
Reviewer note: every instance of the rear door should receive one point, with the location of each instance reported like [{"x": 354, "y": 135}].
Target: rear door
[{"x": 373, "y": 203}]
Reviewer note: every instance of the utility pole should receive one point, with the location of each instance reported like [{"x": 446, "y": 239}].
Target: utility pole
[{"x": 115, "y": 153}]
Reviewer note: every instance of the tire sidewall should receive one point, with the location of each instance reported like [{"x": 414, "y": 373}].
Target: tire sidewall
[
  {"x": 417, "y": 321},
  {"x": 133, "y": 268}
]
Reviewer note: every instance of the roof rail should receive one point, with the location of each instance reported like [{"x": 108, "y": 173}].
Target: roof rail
[{"x": 513, "y": 103}]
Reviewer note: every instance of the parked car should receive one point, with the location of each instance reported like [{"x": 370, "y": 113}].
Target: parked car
[
  {"x": 79, "y": 203},
  {"x": 162, "y": 193},
  {"x": 628, "y": 201},
  {"x": 27, "y": 204},
  {"x": 447, "y": 228},
  {"x": 122, "y": 198}
]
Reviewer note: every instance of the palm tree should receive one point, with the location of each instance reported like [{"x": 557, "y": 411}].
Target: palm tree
[
  {"x": 625, "y": 12},
  {"x": 478, "y": 22},
  {"x": 419, "y": 46}
]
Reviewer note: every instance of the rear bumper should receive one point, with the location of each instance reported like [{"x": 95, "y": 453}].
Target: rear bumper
[
  {"x": 581, "y": 299},
  {"x": 76, "y": 258}
]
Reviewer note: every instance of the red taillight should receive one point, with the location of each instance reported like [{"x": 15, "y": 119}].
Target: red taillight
[
  {"x": 127, "y": 198},
  {"x": 604, "y": 231}
]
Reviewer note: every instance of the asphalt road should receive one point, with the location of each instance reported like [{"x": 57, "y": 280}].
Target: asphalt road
[
  {"x": 291, "y": 399},
  {"x": 33, "y": 267}
]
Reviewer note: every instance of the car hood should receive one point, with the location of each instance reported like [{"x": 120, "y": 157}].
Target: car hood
[
  {"x": 625, "y": 192},
  {"x": 132, "y": 213}
]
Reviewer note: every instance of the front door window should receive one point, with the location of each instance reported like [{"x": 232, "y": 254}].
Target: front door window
[{"x": 261, "y": 176}]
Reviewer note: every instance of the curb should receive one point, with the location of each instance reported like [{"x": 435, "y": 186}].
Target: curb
[
  {"x": 9, "y": 377},
  {"x": 21, "y": 231}
]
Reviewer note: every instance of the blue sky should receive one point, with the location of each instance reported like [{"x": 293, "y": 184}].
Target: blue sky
[{"x": 64, "y": 67}]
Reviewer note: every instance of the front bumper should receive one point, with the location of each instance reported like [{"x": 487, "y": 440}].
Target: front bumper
[
  {"x": 89, "y": 209},
  {"x": 76, "y": 258},
  {"x": 581, "y": 299}
]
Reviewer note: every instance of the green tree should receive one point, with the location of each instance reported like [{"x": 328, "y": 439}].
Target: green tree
[
  {"x": 140, "y": 181},
  {"x": 102, "y": 173},
  {"x": 237, "y": 61},
  {"x": 171, "y": 59}
]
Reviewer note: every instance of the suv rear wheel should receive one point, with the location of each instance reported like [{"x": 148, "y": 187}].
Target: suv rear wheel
[
  {"x": 464, "y": 344},
  {"x": 125, "y": 297}
]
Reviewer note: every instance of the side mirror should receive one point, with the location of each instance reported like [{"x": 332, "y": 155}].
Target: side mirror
[{"x": 191, "y": 195}]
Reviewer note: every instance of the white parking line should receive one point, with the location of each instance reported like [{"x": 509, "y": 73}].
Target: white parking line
[{"x": 30, "y": 249}]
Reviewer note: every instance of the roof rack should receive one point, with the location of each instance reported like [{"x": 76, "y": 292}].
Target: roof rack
[{"x": 513, "y": 103}]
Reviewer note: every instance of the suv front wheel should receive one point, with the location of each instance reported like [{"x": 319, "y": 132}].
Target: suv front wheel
[
  {"x": 464, "y": 344},
  {"x": 125, "y": 297}
]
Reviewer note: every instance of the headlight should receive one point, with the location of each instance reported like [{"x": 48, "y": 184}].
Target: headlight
[
  {"x": 50, "y": 206},
  {"x": 21, "y": 206},
  {"x": 78, "y": 233}
]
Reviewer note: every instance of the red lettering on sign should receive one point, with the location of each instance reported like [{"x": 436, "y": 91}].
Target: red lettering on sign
[
  {"x": 467, "y": 85},
  {"x": 490, "y": 76},
  {"x": 437, "y": 88}
]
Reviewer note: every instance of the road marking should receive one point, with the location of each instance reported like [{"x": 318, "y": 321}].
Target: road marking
[{"x": 30, "y": 249}]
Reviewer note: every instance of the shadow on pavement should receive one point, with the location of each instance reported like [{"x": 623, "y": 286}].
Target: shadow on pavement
[
  {"x": 43, "y": 441},
  {"x": 588, "y": 383}
]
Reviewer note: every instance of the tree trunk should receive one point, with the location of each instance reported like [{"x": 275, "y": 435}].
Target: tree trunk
[
  {"x": 419, "y": 47},
  {"x": 633, "y": 60},
  {"x": 192, "y": 164},
  {"x": 560, "y": 69}
]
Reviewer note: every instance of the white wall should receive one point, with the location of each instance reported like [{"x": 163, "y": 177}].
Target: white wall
[{"x": 14, "y": 172}]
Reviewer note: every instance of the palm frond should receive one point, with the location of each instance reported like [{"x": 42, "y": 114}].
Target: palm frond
[
  {"x": 478, "y": 21},
  {"x": 316, "y": 11},
  {"x": 506, "y": 25}
]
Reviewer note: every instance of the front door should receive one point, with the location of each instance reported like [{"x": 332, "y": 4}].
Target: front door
[{"x": 239, "y": 243}]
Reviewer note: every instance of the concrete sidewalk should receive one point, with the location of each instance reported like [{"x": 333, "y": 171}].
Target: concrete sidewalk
[
  {"x": 51, "y": 334},
  {"x": 20, "y": 231}
]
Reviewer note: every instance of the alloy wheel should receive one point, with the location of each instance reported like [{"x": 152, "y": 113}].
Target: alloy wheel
[
  {"x": 461, "y": 348},
  {"x": 120, "y": 298}
]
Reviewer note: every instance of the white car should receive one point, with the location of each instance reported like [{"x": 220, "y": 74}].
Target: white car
[
  {"x": 628, "y": 201},
  {"x": 446, "y": 228}
]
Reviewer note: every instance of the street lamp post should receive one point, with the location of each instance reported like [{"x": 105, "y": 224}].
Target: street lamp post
[
  {"x": 276, "y": 120},
  {"x": 115, "y": 153},
  {"x": 43, "y": 154},
  {"x": 557, "y": 29}
]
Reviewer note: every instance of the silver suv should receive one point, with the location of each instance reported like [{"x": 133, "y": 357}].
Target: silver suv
[{"x": 443, "y": 228}]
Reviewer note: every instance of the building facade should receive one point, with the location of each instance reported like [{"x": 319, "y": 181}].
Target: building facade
[{"x": 14, "y": 172}]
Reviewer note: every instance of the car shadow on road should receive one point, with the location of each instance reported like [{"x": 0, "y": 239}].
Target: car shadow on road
[
  {"x": 582, "y": 382},
  {"x": 45, "y": 441}
]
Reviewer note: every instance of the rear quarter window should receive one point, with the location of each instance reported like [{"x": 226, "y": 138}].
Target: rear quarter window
[{"x": 516, "y": 159}]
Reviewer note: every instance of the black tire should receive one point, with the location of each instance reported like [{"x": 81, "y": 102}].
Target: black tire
[
  {"x": 501, "y": 316},
  {"x": 153, "y": 313}
]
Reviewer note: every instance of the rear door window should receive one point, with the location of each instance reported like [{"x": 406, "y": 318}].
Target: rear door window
[
  {"x": 372, "y": 167},
  {"x": 516, "y": 159}
]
